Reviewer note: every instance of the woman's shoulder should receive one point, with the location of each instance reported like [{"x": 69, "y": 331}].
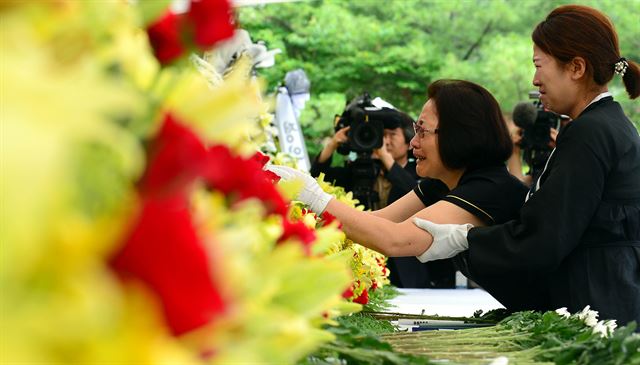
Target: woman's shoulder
[
  {"x": 490, "y": 193},
  {"x": 602, "y": 128},
  {"x": 494, "y": 175},
  {"x": 430, "y": 190},
  {"x": 606, "y": 117}
]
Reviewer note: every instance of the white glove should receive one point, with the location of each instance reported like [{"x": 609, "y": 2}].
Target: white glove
[
  {"x": 311, "y": 193},
  {"x": 448, "y": 239}
]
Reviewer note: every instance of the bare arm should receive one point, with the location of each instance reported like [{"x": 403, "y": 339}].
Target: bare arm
[
  {"x": 402, "y": 209},
  {"x": 397, "y": 239},
  {"x": 338, "y": 138}
]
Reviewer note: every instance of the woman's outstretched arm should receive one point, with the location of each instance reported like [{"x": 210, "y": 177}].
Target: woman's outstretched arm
[{"x": 393, "y": 239}]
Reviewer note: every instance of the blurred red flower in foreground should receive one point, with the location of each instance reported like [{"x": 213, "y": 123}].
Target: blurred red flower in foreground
[
  {"x": 241, "y": 178},
  {"x": 300, "y": 231},
  {"x": 163, "y": 249},
  {"x": 205, "y": 23},
  {"x": 165, "y": 252}
]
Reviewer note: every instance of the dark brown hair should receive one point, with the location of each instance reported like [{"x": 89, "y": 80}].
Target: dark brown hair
[
  {"x": 580, "y": 31},
  {"x": 471, "y": 130}
]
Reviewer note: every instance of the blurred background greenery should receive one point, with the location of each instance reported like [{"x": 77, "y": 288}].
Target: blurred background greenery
[{"x": 395, "y": 48}]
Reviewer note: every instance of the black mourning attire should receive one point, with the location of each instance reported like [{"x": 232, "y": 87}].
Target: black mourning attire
[
  {"x": 577, "y": 239},
  {"x": 490, "y": 193}
]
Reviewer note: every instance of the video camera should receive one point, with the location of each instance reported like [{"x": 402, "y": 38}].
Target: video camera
[
  {"x": 367, "y": 119},
  {"x": 367, "y": 123},
  {"x": 536, "y": 123}
]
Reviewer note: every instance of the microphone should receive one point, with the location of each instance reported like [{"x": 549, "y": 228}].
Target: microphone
[{"x": 524, "y": 114}]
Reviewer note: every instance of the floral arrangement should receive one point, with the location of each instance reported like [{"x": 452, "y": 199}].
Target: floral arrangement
[
  {"x": 368, "y": 267},
  {"x": 553, "y": 337},
  {"x": 138, "y": 223}
]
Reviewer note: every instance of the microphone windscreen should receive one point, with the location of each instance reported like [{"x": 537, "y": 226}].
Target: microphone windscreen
[{"x": 524, "y": 114}]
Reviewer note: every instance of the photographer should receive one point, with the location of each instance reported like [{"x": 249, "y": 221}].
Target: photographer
[
  {"x": 533, "y": 130},
  {"x": 395, "y": 176},
  {"x": 397, "y": 172}
]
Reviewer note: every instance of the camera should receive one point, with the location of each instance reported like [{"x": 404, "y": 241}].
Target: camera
[
  {"x": 536, "y": 134},
  {"x": 367, "y": 119},
  {"x": 367, "y": 123},
  {"x": 536, "y": 124}
]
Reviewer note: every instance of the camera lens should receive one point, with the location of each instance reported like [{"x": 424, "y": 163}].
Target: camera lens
[{"x": 366, "y": 137}]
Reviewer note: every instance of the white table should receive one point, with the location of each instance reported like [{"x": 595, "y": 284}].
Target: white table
[{"x": 443, "y": 302}]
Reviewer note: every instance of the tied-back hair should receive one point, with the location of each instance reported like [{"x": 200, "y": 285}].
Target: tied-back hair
[
  {"x": 580, "y": 31},
  {"x": 472, "y": 132}
]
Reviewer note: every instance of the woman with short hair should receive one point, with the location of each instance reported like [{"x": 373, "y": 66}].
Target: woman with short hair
[{"x": 461, "y": 145}]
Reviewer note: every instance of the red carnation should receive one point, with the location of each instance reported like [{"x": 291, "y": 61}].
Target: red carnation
[
  {"x": 328, "y": 218},
  {"x": 242, "y": 177},
  {"x": 212, "y": 21},
  {"x": 260, "y": 158},
  {"x": 176, "y": 158},
  {"x": 348, "y": 293},
  {"x": 300, "y": 231},
  {"x": 206, "y": 23},
  {"x": 362, "y": 298},
  {"x": 164, "y": 251},
  {"x": 164, "y": 36}
]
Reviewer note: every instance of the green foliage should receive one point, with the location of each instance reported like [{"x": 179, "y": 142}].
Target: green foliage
[
  {"x": 357, "y": 342},
  {"x": 394, "y": 49},
  {"x": 366, "y": 324},
  {"x": 570, "y": 341},
  {"x": 379, "y": 298},
  {"x": 526, "y": 337}
]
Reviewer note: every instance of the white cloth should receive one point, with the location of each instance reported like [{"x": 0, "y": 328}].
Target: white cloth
[
  {"x": 311, "y": 193},
  {"x": 448, "y": 239}
]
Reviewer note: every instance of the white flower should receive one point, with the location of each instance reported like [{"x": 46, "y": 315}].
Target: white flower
[
  {"x": 605, "y": 328},
  {"x": 563, "y": 312},
  {"x": 601, "y": 329},
  {"x": 500, "y": 360},
  {"x": 589, "y": 317},
  {"x": 611, "y": 325}
]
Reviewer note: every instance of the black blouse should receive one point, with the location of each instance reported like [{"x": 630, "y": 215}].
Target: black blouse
[{"x": 489, "y": 193}]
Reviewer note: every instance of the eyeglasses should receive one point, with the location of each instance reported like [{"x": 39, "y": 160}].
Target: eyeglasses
[{"x": 420, "y": 130}]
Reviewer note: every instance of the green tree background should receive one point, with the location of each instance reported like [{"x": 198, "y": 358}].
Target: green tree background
[{"x": 395, "y": 48}]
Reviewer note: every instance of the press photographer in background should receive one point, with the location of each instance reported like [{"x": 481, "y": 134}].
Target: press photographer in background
[
  {"x": 379, "y": 136},
  {"x": 533, "y": 130},
  {"x": 383, "y": 171}
]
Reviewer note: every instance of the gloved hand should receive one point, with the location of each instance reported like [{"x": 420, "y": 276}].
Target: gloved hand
[
  {"x": 311, "y": 193},
  {"x": 448, "y": 239}
]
